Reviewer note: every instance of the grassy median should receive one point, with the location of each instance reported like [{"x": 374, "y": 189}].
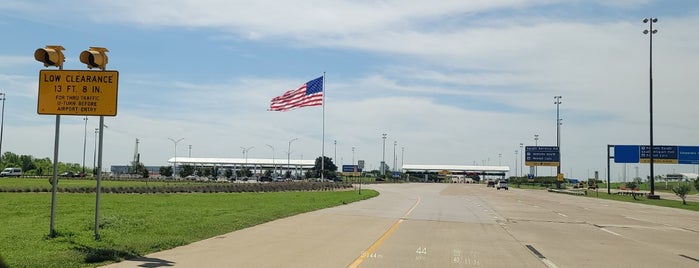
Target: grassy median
[{"x": 135, "y": 225}]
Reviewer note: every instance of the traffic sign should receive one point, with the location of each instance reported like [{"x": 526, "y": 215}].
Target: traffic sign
[
  {"x": 72, "y": 92},
  {"x": 542, "y": 156},
  {"x": 662, "y": 154}
]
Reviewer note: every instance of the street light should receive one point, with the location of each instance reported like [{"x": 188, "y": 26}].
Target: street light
[
  {"x": 558, "y": 131},
  {"x": 274, "y": 166},
  {"x": 516, "y": 160},
  {"x": 383, "y": 158},
  {"x": 245, "y": 153},
  {"x": 190, "y": 151},
  {"x": 394, "y": 155},
  {"x": 2, "y": 119},
  {"x": 174, "y": 165},
  {"x": 521, "y": 159},
  {"x": 352, "y": 155},
  {"x": 650, "y": 33},
  {"x": 536, "y": 143},
  {"x": 402, "y": 152},
  {"x": 335, "y": 157},
  {"x": 288, "y": 156}
]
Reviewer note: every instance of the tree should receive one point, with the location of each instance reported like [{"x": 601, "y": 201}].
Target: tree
[
  {"x": 696, "y": 183},
  {"x": 329, "y": 168},
  {"x": 186, "y": 170},
  {"x": 631, "y": 185},
  {"x": 228, "y": 173},
  {"x": 137, "y": 168},
  {"x": 166, "y": 171},
  {"x": 682, "y": 190}
]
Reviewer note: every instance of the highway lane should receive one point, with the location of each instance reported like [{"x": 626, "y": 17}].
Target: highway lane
[{"x": 455, "y": 225}]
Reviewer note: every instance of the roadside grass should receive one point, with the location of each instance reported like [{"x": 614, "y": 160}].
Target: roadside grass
[
  {"x": 134, "y": 225},
  {"x": 694, "y": 206}
]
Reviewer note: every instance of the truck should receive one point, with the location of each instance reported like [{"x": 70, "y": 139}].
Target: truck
[{"x": 591, "y": 184}]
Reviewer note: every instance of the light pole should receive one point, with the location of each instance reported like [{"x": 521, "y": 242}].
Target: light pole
[
  {"x": 521, "y": 159},
  {"x": 650, "y": 33},
  {"x": 245, "y": 153},
  {"x": 352, "y": 155},
  {"x": 190, "y": 151},
  {"x": 383, "y": 158},
  {"x": 394, "y": 155},
  {"x": 536, "y": 143},
  {"x": 558, "y": 131},
  {"x": 174, "y": 165},
  {"x": 335, "y": 157},
  {"x": 274, "y": 166},
  {"x": 402, "y": 152},
  {"x": 94, "y": 154},
  {"x": 2, "y": 119},
  {"x": 516, "y": 160},
  {"x": 499, "y": 159},
  {"x": 288, "y": 156}
]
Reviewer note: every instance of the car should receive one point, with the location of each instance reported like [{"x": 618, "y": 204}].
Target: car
[
  {"x": 490, "y": 183},
  {"x": 11, "y": 172},
  {"x": 502, "y": 184},
  {"x": 67, "y": 174}
]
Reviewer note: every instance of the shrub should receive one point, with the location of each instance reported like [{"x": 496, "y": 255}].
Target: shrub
[{"x": 682, "y": 190}]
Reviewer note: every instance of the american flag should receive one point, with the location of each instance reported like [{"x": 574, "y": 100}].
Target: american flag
[{"x": 309, "y": 94}]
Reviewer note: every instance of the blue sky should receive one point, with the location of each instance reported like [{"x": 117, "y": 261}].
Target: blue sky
[{"x": 453, "y": 82}]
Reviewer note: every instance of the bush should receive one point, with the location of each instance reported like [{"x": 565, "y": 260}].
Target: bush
[{"x": 682, "y": 190}]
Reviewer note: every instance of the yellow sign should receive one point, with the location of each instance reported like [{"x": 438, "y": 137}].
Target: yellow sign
[
  {"x": 70, "y": 92},
  {"x": 547, "y": 164},
  {"x": 660, "y": 161},
  {"x": 560, "y": 177}
]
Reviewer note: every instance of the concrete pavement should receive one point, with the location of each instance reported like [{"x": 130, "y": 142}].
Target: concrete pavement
[{"x": 455, "y": 225}]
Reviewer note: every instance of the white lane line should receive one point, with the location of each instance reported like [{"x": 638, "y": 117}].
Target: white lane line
[
  {"x": 562, "y": 215},
  {"x": 632, "y": 218},
  {"x": 608, "y": 231}
]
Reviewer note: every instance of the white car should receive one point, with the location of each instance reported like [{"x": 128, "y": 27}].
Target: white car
[{"x": 501, "y": 184}]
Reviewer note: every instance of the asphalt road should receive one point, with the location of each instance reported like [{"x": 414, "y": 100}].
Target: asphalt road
[{"x": 455, "y": 225}]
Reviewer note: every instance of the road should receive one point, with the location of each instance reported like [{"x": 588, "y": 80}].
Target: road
[{"x": 455, "y": 225}]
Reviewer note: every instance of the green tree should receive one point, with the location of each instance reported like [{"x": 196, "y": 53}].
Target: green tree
[
  {"x": 631, "y": 185},
  {"x": 186, "y": 170},
  {"x": 228, "y": 173},
  {"x": 696, "y": 183},
  {"x": 329, "y": 170},
  {"x": 681, "y": 190},
  {"x": 137, "y": 168},
  {"x": 166, "y": 171}
]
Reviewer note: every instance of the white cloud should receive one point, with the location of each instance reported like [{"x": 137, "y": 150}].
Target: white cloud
[{"x": 439, "y": 57}]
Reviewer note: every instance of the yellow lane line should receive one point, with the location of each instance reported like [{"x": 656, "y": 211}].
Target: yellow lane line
[{"x": 378, "y": 242}]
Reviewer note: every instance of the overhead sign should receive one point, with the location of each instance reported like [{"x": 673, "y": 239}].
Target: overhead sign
[
  {"x": 542, "y": 156},
  {"x": 71, "y": 92},
  {"x": 351, "y": 168},
  {"x": 662, "y": 154}
]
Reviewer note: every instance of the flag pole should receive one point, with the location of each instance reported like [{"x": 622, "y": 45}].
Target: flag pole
[{"x": 322, "y": 157}]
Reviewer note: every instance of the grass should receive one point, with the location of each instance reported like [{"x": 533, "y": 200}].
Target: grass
[
  {"x": 135, "y": 225},
  {"x": 694, "y": 206}
]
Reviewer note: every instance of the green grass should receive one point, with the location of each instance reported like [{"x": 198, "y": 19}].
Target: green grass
[
  {"x": 135, "y": 225},
  {"x": 694, "y": 206}
]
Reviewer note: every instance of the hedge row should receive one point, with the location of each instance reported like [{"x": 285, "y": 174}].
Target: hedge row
[{"x": 212, "y": 188}]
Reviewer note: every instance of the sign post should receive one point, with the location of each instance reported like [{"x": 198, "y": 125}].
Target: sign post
[{"x": 74, "y": 92}]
